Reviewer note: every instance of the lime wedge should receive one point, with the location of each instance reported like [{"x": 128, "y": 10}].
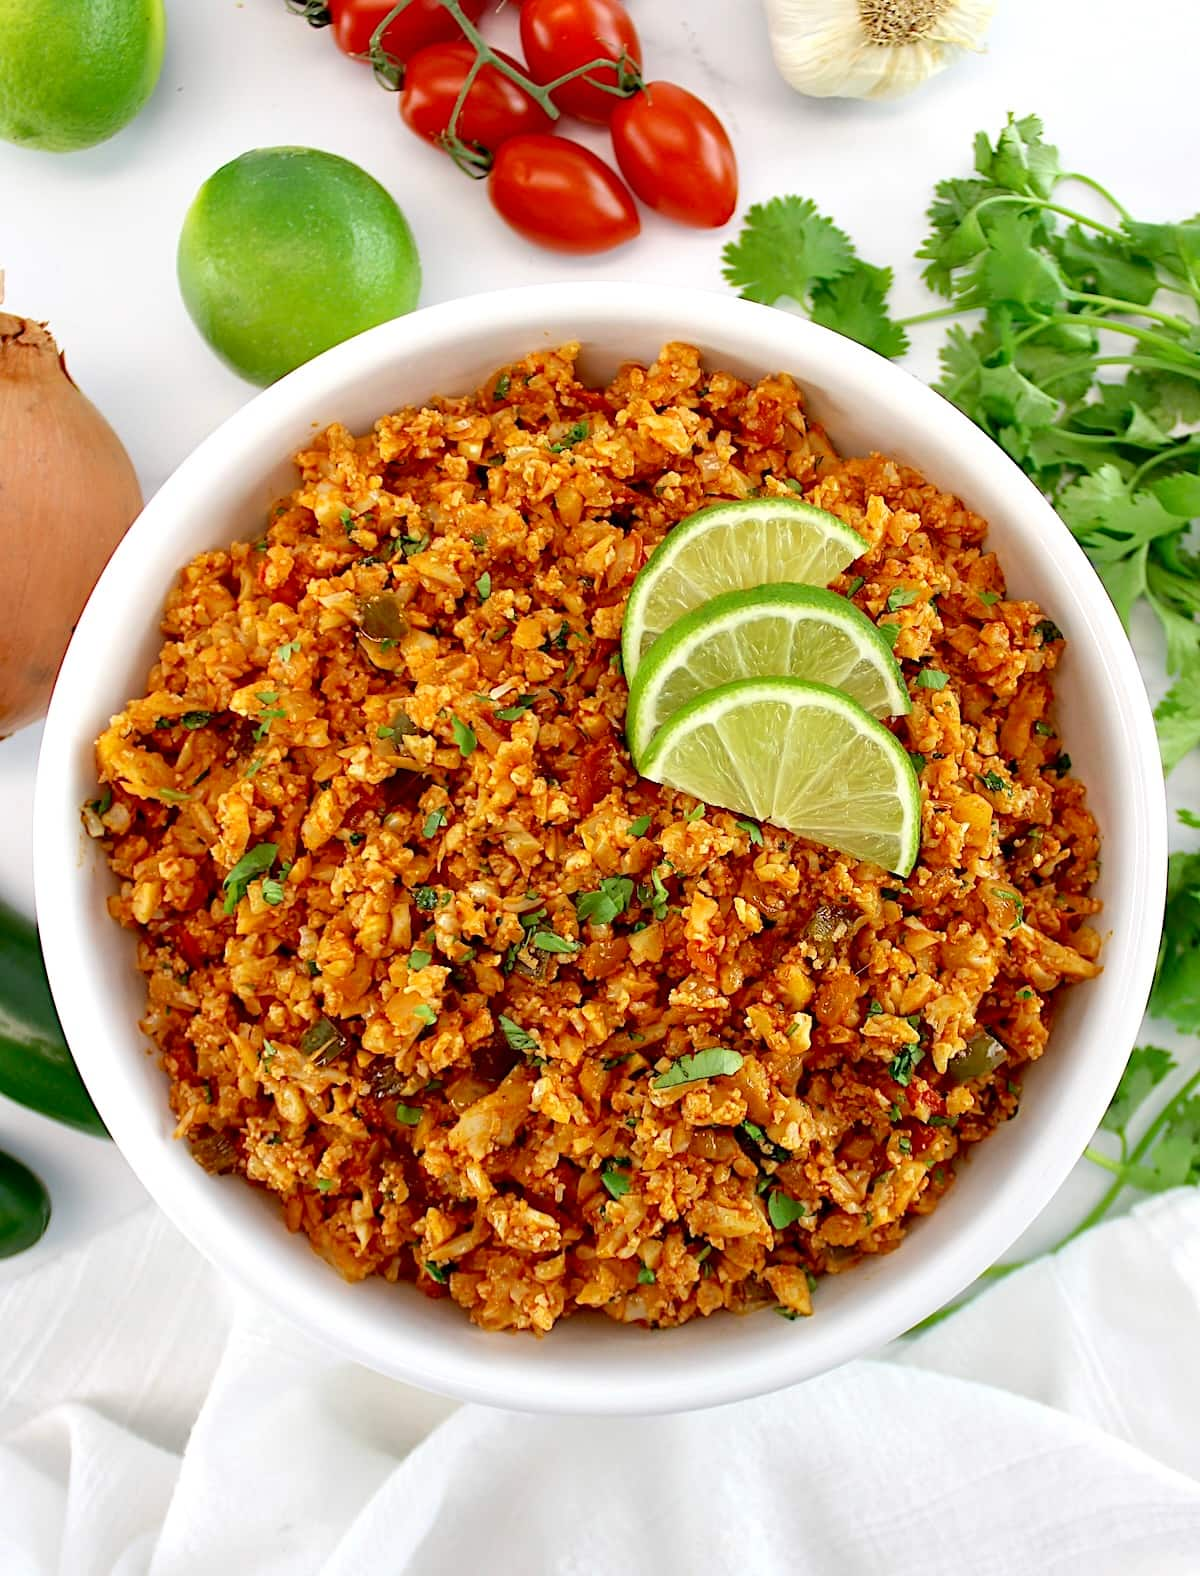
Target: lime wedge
[
  {"x": 801, "y": 756},
  {"x": 731, "y": 547},
  {"x": 785, "y": 629}
]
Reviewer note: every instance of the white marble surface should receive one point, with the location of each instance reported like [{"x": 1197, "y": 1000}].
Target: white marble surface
[{"x": 88, "y": 242}]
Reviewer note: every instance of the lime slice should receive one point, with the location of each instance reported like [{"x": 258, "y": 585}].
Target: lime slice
[
  {"x": 800, "y": 755},
  {"x": 785, "y": 629},
  {"x": 731, "y": 547}
]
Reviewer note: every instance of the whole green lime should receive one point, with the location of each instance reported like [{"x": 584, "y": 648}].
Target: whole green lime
[
  {"x": 73, "y": 72},
  {"x": 287, "y": 251}
]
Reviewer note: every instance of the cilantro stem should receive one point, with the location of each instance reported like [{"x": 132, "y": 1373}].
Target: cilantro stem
[
  {"x": 1099, "y": 1158},
  {"x": 1146, "y": 335},
  {"x": 932, "y": 317},
  {"x": 1103, "y": 191},
  {"x": 1131, "y": 308},
  {"x": 1139, "y": 363},
  {"x": 1096, "y": 1215},
  {"x": 1181, "y": 447},
  {"x": 1046, "y": 204}
]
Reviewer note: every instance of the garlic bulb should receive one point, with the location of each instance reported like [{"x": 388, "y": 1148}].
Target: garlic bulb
[{"x": 871, "y": 48}]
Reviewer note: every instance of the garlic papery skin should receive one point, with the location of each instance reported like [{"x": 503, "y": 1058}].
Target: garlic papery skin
[{"x": 871, "y": 48}]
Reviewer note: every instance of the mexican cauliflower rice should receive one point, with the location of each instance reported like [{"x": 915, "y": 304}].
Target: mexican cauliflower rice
[{"x": 486, "y": 1011}]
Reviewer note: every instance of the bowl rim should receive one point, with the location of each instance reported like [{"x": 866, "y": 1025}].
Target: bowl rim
[{"x": 196, "y": 1210}]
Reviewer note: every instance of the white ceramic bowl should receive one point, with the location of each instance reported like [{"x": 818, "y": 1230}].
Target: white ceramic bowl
[{"x": 590, "y": 1364}]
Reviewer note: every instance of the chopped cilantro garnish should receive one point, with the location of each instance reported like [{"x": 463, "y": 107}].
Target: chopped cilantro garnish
[
  {"x": 1017, "y": 901},
  {"x": 464, "y": 737},
  {"x": 1043, "y": 730},
  {"x": 410, "y": 1115},
  {"x": 989, "y": 598},
  {"x": 287, "y": 651},
  {"x": 900, "y": 596},
  {"x": 645, "y": 1276},
  {"x": 918, "y": 761},
  {"x": 439, "y": 1272},
  {"x": 603, "y": 906},
  {"x": 903, "y": 1063},
  {"x": 993, "y": 782},
  {"x": 932, "y": 678},
  {"x": 1049, "y": 631},
  {"x": 424, "y": 1012},
  {"x": 257, "y": 861},
  {"x": 272, "y": 891},
  {"x": 572, "y": 436},
  {"x": 640, "y": 827},
  {"x": 614, "y": 1180},
  {"x": 484, "y": 586},
  {"x": 435, "y": 820},
  {"x": 517, "y": 1037},
  {"x": 752, "y": 830},
  {"x": 716, "y": 1061},
  {"x": 856, "y": 585},
  {"x": 783, "y": 1210},
  {"x": 518, "y": 707},
  {"x": 503, "y": 384},
  {"x": 547, "y": 941},
  {"x": 419, "y": 959}
]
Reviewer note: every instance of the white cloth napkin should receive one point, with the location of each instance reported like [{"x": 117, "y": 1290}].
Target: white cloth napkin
[{"x": 153, "y": 1421}]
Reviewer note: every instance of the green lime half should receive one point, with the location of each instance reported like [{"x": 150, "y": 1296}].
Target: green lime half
[
  {"x": 731, "y": 547},
  {"x": 287, "y": 251},
  {"x": 773, "y": 630},
  {"x": 801, "y": 756}
]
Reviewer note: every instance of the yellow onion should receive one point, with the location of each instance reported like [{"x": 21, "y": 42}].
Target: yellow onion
[{"x": 68, "y": 493}]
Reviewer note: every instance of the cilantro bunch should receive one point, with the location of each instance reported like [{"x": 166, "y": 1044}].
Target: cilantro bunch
[{"x": 1079, "y": 352}]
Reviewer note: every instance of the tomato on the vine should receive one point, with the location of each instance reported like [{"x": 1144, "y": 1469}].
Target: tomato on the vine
[
  {"x": 421, "y": 22},
  {"x": 494, "y": 108},
  {"x": 558, "y": 194},
  {"x": 559, "y": 35},
  {"x": 676, "y": 155}
]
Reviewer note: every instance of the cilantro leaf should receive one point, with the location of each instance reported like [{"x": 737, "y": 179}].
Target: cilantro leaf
[
  {"x": 604, "y": 905},
  {"x": 616, "y": 1183},
  {"x": 409, "y": 1115},
  {"x": 904, "y": 1063},
  {"x": 256, "y": 861},
  {"x": 517, "y": 1037},
  {"x": 1107, "y": 520},
  {"x": 716, "y": 1061},
  {"x": 1092, "y": 262},
  {"x": 547, "y": 941},
  {"x": 1020, "y": 161},
  {"x": 783, "y": 1210},
  {"x": 1176, "y": 993},
  {"x": 1146, "y": 1068},
  {"x": 1174, "y": 1159},
  {"x": 856, "y": 304},
  {"x": 464, "y": 737},
  {"x": 785, "y": 247},
  {"x": 1177, "y": 716}
]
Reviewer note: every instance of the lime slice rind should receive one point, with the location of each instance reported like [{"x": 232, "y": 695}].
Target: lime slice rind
[
  {"x": 733, "y": 546},
  {"x": 799, "y": 755},
  {"x": 772, "y": 630}
]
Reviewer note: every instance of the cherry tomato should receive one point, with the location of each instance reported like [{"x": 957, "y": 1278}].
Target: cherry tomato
[
  {"x": 558, "y": 35},
  {"x": 495, "y": 107},
  {"x": 558, "y": 194},
  {"x": 421, "y": 22},
  {"x": 676, "y": 155}
]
